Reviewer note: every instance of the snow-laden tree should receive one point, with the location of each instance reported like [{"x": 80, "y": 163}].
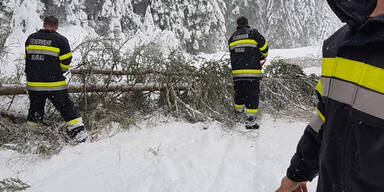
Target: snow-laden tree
[
  {"x": 5, "y": 14},
  {"x": 198, "y": 26},
  {"x": 285, "y": 23}
]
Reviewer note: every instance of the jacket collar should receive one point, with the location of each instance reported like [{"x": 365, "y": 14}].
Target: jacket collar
[
  {"x": 371, "y": 31},
  {"x": 47, "y": 31},
  {"x": 243, "y": 26},
  {"x": 353, "y": 12},
  {"x": 373, "y": 24}
]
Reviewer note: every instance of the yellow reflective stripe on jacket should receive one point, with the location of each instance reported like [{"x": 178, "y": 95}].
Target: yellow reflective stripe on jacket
[
  {"x": 264, "y": 47},
  {"x": 327, "y": 67},
  {"x": 264, "y": 54},
  {"x": 65, "y": 56},
  {"x": 373, "y": 78},
  {"x": 244, "y": 41},
  {"x": 246, "y": 71},
  {"x": 356, "y": 72},
  {"x": 320, "y": 115},
  {"x": 348, "y": 70},
  {"x": 42, "y": 47},
  {"x": 64, "y": 66},
  {"x": 318, "y": 88},
  {"x": 46, "y": 84}
]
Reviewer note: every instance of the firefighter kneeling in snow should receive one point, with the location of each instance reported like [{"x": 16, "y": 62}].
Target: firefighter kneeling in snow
[
  {"x": 48, "y": 56},
  {"x": 247, "y": 47}
]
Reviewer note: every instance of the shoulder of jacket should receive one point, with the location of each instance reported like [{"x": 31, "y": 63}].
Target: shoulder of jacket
[
  {"x": 340, "y": 34},
  {"x": 253, "y": 30},
  {"x": 33, "y": 34},
  {"x": 61, "y": 37}
]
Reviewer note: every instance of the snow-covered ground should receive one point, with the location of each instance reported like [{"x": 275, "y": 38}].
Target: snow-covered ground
[{"x": 165, "y": 155}]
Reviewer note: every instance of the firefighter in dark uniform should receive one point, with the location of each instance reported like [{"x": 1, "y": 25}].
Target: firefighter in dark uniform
[
  {"x": 248, "y": 50},
  {"x": 48, "y": 56},
  {"x": 344, "y": 143}
]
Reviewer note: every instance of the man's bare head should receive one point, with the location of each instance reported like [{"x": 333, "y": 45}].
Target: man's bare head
[{"x": 51, "y": 23}]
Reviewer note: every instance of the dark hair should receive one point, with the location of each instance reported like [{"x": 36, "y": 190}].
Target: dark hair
[
  {"x": 242, "y": 21},
  {"x": 51, "y": 21}
]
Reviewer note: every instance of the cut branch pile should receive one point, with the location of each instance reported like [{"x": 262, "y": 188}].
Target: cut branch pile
[{"x": 112, "y": 85}]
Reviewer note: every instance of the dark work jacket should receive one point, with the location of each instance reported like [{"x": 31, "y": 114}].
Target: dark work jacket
[
  {"x": 247, "y": 47},
  {"x": 48, "y": 56},
  {"x": 344, "y": 142}
]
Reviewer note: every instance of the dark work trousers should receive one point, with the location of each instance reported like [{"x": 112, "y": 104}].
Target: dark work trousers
[
  {"x": 247, "y": 93},
  {"x": 59, "y": 99}
]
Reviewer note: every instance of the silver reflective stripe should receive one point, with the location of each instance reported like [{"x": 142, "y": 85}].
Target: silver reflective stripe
[
  {"x": 59, "y": 88},
  {"x": 64, "y": 70},
  {"x": 42, "y": 52},
  {"x": 239, "y": 108},
  {"x": 359, "y": 98},
  {"x": 342, "y": 91},
  {"x": 243, "y": 79},
  {"x": 316, "y": 122},
  {"x": 243, "y": 45},
  {"x": 325, "y": 81},
  {"x": 248, "y": 75},
  {"x": 370, "y": 102},
  {"x": 254, "y": 115},
  {"x": 251, "y": 112}
]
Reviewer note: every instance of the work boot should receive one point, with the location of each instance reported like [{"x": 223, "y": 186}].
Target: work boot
[
  {"x": 79, "y": 135},
  {"x": 251, "y": 123},
  {"x": 254, "y": 126}
]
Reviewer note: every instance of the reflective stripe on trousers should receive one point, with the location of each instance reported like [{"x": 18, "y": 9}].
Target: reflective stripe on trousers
[
  {"x": 251, "y": 112},
  {"x": 47, "y": 86},
  {"x": 247, "y": 73},
  {"x": 239, "y": 108},
  {"x": 75, "y": 123}
]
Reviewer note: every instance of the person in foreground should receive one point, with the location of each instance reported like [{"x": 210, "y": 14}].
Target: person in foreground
[
  {"x": 344, "y": 143},
  {"x": 48, "y": 56},
  {"x": 248, "y": 51}
]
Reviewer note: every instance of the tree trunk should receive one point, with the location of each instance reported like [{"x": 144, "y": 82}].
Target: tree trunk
[{"x": 18, "y": 89}]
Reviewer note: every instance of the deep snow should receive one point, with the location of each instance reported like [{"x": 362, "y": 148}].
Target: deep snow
[
  {"x": 166, "y": 155},
  {"x": 161, "y": 154}
]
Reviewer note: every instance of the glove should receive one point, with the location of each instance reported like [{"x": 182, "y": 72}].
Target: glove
[{"x": 262, "y": 62}]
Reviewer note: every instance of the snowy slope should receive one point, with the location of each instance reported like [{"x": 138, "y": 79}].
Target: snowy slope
[{"x": 166, "y": 155}]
